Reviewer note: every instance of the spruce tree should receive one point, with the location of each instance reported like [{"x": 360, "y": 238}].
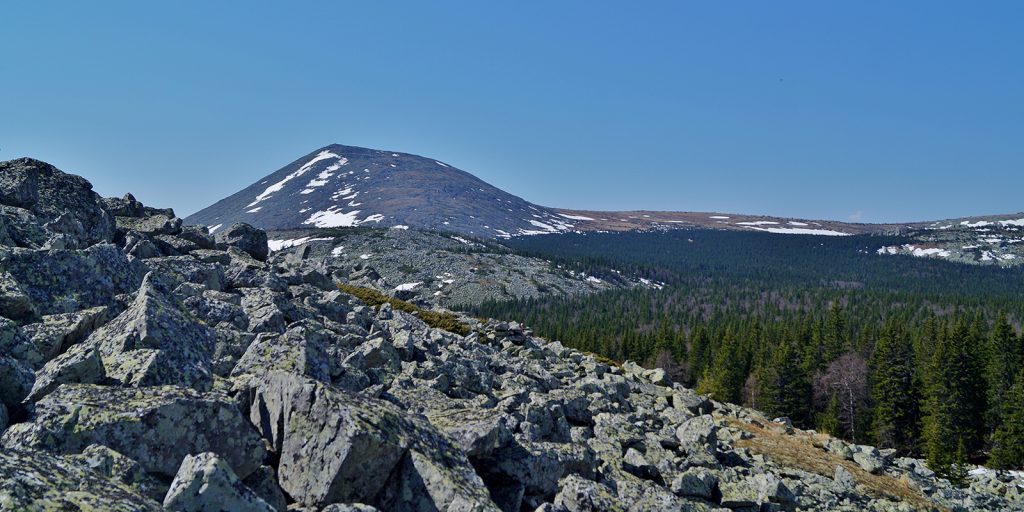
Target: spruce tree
[
  {"x": 1004, "y": 361},
  {"x": 1008, "y": 445},
  {"x": 894, "y": 392},
  {"x": 786, "y": 389}
]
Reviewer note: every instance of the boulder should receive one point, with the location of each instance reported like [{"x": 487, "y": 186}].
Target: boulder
[
  {"x": 335, "y": 447},
  {"x": 14, "y": 302},
  {"x": 154, "y": 343},
  {"x": 14, "y": 343},
  {"x": 65, "y": 281},
  {"x": 301, "y": 350},
  {"x": 206, "y": 483},
  {"x": 117, "y": 467},
  {"x": 156, "y": 426},
  {"x": 16, "y": 381},
  {"x": 577, "y": 494},
  {"x": 33, "y": 480},
  {"x": 49, "y": 194},
  {"x": 245, "y": 237},
  {"x": 56, "y": 333},
  {"x": 80, "y": 365},
  {"x": 698, "y": 437},
  {"x": 263, "y": 482}
]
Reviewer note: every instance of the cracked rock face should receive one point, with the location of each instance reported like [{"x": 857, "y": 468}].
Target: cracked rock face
[{"x": 147, "y": 364}]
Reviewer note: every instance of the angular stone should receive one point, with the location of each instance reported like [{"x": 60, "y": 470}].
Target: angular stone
[
  {"x": 153, "y": 343},
  {"x": 335, "y": 447},
  {"x": 80, "y": 365},
  {"x": 14, "y": 302},
  {"x": 113, "y": 465},
  {"x": 698, "y": 437},
  {"x": 14, "y": 343},
  {"x": 477, "y": 432},
  {"x": 16, "y": 381},
  {"x": 65, "y": 281},
  {"x": 245, "y": 237},
  {"x": 301, "y": 350},
  {"x": 206, "y": 483},
  {"x": 156, "y": 426},
  {"x": 56, "y": 333},
  {"x": 577, "y": 494},
  {"x": 33, "y": 480},
  {"x": 699, "y": 483},
  {"x": 868, "y": 458}
]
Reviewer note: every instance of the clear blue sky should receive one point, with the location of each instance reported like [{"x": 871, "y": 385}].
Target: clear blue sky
[{"x": 873, "y": 110}]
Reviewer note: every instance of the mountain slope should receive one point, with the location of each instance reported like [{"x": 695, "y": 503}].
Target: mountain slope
[{"x": 350, "y": 186}]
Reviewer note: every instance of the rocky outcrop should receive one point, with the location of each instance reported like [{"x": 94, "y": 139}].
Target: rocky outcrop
[{"x": 245, "y": 237}]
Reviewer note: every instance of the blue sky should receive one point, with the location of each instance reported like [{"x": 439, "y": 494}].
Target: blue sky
[{"x": 874, "y": 111}]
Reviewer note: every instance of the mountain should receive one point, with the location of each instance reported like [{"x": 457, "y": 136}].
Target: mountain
[
  {"x": 351, "y": 186},
  {"x": 147, "y": 365}
]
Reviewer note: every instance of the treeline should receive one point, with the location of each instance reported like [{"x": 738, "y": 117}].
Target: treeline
[{"x": 900, "y": 352}]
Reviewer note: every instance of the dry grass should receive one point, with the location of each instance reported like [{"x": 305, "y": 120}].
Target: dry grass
[{"x": 799, "y": 451}]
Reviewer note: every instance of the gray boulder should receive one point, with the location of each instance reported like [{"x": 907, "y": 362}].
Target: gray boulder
[
  {"x": 117, "y": 467},
  {"x": 301, "y": 350},
  {"x": 16, "y": 381},
  {"x": 263, "y": 482},
  {"x": 336, "y": 447},
  {"x": 80, "y": 365},
  {"x": 245, "y": 237},
  {"x": 49, "y": 194},
  {"x": 33, "y": 480},
  {"x": 206, "y": 483},
  {"x": 156, "y": 426},
  {"x": 56, "y": 333},
  {"x": 65, "y": 281},
  {"x": 14, "y": 343},
  {"x": 154, "y": 343},
  {"x": 14, "y": 302}
]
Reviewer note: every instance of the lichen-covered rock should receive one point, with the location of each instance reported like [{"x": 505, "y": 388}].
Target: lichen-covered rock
[
  {"x": 245, "y": 237},
  {"x": 206, "y": 483},
  {"x": 153, "y": 225},
  {"x": 80, "y": 365},
  {"x": 117, "y": 467},
  {"x": 348, "y": 507},
  {"x": 14, "y": 343},
  {"x": 156, "y": 426},
  {"x": 14, "y": 302},
  {"x": 175, "y": 270},
  {"x": 49, "y": 193},
  {"x": 301, "y": 350},
  {"x": 335, "y": 447},
  {"x": 154, "y": 343},
  {"x": 578, "y": 494},
  {"x": 65, "y": 281},
  {"x": 56, "y": 333},
  {"x": 33, "y": 480},
  {"x": 477, "y": 432}
]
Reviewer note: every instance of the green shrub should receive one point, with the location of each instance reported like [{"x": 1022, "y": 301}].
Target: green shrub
[{"x": 437, "y": 319}]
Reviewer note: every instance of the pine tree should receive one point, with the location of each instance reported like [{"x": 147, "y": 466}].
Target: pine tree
[
  {"x": 725, "y": 378},
  {"x": 1004, "y": 361},
  {"x": 786, "y": 389},
  {"x": 1008, "y": 446},
  {"x": 894, "y": 392}
]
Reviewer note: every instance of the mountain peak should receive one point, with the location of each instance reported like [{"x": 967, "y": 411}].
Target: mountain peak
[{"x": 339, "y": 185}]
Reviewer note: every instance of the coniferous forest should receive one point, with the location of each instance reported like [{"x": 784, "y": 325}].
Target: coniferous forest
[{"x": 922, "y": 356}]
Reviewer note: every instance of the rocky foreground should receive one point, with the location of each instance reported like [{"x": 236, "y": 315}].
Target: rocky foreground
[{"x": 147, "y": 365}]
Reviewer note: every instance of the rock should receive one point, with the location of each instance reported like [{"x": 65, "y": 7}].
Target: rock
[
  {"x": 33, "y": 480},
  {"x": 843, "y": 478},
  {"x": 868, "y": 458},
  {"x": 699, "y": 438},
  {"x": 206, "y": 483},
  {"x": 65, "y": 281},
  {"x": 245, "y": 237},
  {"x": 337, "y": 447},
  {"x": 578, "y": 494},
  {"x": 14, "y": 343},
  {"x": 699, "y": 483},
  {"x": 634, "y": 462},
  {"x": 117, "y": 467},
  {"x": 263, "y": 482},
  {"x": 348, "y": 507},
  {"x": 477, "y": 432},
  {"x": 156, "y": 426},
  {"x": 16, "y": 381},
  {"x": 4, "y": 418},
  {"x": 14, "y": 302},
  {"x": 658, "y": 377},
  {"x": 690, "y": 401},
  {"x": 126, "y": 206},
  {"x": 49, "y": 194},
  {"x": 56, "y": 333},
  {"x": 153, "y": 225},
  {"x": 153, "y": 343},
  {"x": 175, "y": 270},
  {"x": 302, "y": 350},
  {"x": 80, "y": 365}
]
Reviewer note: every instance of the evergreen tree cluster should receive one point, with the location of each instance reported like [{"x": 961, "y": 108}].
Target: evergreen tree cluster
[{"x": 911, "y": 354}]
